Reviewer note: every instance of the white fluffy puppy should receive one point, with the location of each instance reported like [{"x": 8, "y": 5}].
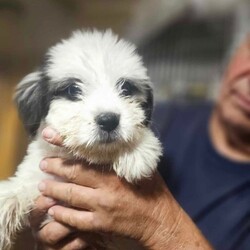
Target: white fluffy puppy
[{"x": 94, "y": 90}]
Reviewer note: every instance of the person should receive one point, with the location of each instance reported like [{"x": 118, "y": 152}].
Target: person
[{"x": 200, "y": 199}]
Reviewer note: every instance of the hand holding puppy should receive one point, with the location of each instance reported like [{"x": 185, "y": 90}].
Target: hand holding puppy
[
  {"x": 53, "y": 235},
  {"x": 101, "y": 202}
]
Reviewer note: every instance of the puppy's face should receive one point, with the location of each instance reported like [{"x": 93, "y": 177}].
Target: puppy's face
[{"x": 93, "y": 89}]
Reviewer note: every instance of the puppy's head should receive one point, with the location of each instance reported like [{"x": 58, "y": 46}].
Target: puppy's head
[{"x": 93, "y": 89}]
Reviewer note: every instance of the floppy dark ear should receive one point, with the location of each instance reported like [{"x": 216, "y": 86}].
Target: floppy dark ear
[
  {"x": 29, "y": 100},
  {"x": 148, "y": 104}
]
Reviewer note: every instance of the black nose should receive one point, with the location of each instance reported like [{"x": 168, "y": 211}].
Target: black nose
[{"x": 108, "y": 121}]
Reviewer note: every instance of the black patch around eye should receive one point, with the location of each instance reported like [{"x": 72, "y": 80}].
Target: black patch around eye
[
  {"x": 127, "y": 87},
  {"x": 70, "y": 90}
]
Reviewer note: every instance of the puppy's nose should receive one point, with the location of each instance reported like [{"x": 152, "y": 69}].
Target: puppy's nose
[{"x": 108, "y": 121}]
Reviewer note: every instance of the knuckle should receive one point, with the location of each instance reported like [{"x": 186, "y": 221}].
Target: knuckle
[
  {"x": 102, "y": 223},
  {"x": 72, "y": 221},
  {"x": 70, "y": 194},
  {"x": 96, "y": 223},
  {"x": 78, "y": 244},
  {"x": 49, "y": 236},
  {"x": 92, "y": 222},
  {"x": 106, "y": 203},
  {"x": 72, "y": 173},
  {"x": 109, "y": 223}
]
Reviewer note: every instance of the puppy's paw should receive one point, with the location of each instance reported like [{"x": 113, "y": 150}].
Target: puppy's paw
[
  {"x": 13, "y": 216},
  {"x": 10, "y": 221},
  {"x": 140, "y": 162}
]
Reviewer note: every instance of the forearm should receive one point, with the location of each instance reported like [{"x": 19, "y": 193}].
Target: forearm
[{"x": 182, "y": 234}]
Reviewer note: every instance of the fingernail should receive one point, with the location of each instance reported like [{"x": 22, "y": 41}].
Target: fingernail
[
  {"x": 51, "y": 212},
  {"x": 48, "y": 133},
  {"x": 41, "y": 186},
  {"x": 43, "y": 165}
]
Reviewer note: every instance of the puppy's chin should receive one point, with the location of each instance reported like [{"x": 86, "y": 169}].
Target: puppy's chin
[
  {"x": 108, "y": 137},
  {"x": 99, "y": 152},
  {"x": 104, "y": 148}
]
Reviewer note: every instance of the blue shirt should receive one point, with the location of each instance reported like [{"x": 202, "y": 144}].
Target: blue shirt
[{"x": 212, "y": 189}]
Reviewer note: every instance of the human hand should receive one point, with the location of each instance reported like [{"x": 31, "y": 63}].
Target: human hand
[
  {"x": 104, "y": 202},
  {"x": 99, "y": 201},
  {"x": 53, "y": 235}
]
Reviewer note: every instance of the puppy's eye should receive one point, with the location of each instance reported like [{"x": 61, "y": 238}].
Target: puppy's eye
[
  {"x": 128, "y": 88},
  {"x": 70, "y": 92},
  {"x": 73, "y": 90}
]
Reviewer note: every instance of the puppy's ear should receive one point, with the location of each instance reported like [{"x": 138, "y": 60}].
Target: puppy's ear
[
  {"x": 148, "y": 104},
  {"x": 29, "y": 97}
]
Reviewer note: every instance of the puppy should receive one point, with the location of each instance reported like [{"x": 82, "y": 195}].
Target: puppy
[{"x": 94, "y": 90}]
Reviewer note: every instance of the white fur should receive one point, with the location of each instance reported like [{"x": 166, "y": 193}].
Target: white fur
[{"x": 99, "y": 60}]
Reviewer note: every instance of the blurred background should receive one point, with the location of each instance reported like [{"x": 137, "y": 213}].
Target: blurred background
[{"x": 185, "y": 45}]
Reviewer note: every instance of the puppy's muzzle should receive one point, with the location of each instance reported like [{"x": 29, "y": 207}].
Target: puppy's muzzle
[{"x": 108, "y": 121}]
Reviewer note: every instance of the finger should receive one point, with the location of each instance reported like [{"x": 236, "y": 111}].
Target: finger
[
  {"x": 43, "y": 203},
  {"x": 72, "y": 194},
  {"x": 81, "y": 220},
  {"x": 75, "y": 244},
  {"x": 87, "y": 241},
  {"x": 37, "y": 215},
  {"x": 74, "y": 171},
  {"x": 53, "y": 233},
  {"x": 51, "y": 136}
]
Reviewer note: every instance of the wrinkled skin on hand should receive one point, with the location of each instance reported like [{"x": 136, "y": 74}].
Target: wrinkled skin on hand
[
  {"x": 98, "y": 202},
  {"x": 104, "y": 202}
]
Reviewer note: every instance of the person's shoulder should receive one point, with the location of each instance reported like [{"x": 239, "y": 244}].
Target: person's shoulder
[
  {"x": 181, "y": 107},
  {"x": 179, "y": 114}
]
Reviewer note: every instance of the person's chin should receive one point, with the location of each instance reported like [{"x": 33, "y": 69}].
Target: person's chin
[
  {"x": 242, "y": 102},
  {"x": 233, "y": 114}
]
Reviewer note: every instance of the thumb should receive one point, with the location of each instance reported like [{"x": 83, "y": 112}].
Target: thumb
[{"x": 52, "y": 136}]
